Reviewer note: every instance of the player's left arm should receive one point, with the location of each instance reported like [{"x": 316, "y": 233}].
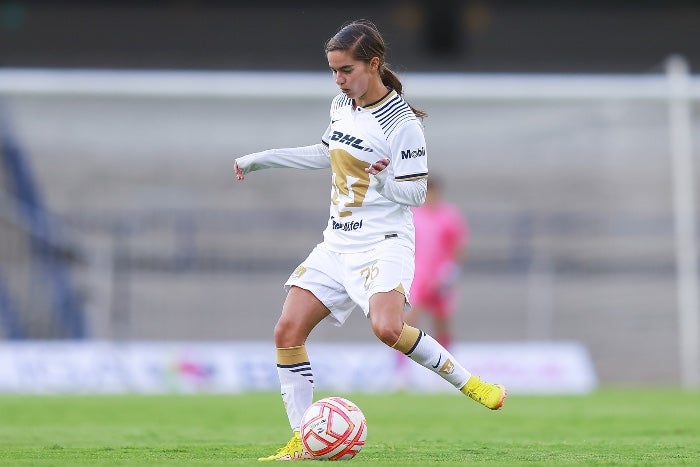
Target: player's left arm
[{"x": 406, "y": 182}]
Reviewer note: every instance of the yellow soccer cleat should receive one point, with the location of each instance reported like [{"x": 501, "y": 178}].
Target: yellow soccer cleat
[
  {"x": 490, "y": 395},
  {"x": 293, "y": 451}
]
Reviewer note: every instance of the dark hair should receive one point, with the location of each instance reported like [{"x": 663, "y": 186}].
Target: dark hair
[{"x": 362, "y": 39}]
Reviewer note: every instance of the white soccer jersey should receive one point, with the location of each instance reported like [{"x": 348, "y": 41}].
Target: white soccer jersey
[
  {"x": 360, "y": 216},
  {"x": 365, "y": 208}
]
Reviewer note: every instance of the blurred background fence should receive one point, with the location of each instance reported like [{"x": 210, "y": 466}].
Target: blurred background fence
[{"x": 120, "y": 218}]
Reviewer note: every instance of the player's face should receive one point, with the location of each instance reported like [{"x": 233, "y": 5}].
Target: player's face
[{"x": 352, "y": 76}]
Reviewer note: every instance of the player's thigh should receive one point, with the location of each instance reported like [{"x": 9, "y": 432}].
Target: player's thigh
[
  {"x": 386, "y": 315},
  {"x": 301, "y": 312},
  {"x": 321, "y": 274}
]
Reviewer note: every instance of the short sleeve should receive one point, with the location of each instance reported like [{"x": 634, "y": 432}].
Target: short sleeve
[{"x": 409, "y": 155}]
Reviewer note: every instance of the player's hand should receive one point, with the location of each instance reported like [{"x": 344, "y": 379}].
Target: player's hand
[
  {"x": 239, "y": 172},
  {"x": 377, "y": 167}
]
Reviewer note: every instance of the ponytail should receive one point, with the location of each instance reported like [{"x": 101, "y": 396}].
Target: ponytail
[{"x": 390, "y": 79}]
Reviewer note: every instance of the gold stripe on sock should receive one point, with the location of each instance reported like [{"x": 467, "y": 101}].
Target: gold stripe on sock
[
  {"x": 292, "y": 355},
  {"x": 407, "y": 339}
]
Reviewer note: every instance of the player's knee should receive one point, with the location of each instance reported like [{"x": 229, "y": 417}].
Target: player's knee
[
  {"x": 387, "y": 334},
  {"x": 285, "y": 334}
]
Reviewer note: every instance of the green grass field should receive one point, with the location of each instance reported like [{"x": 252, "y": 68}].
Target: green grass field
[{"x": 610, "y": 427}]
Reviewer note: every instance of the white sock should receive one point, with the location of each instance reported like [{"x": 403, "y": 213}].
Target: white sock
[
  {"x": 296, "y": 382},
  {"x": 423, "y": 349}
]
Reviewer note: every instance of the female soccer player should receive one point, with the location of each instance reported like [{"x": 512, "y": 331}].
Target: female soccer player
[{"x": 376, "y": 151}]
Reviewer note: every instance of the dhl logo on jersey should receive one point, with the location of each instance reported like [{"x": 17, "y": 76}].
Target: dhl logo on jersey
[{"x": 349, "y": 140}]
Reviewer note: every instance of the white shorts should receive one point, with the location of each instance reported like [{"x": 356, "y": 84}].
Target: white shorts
[{"x": 344, "y": 282}]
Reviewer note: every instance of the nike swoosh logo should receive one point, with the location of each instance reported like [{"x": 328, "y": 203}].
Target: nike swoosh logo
[
  {"x": 438, "y": 363},
  {"x": 333, "y": 121}
]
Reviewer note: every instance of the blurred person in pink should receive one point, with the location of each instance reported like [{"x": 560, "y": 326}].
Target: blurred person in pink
[{"x": 442, "y": 234}]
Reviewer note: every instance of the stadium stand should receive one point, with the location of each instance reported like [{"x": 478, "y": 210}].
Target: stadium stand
[
  {"x": 568, "y": 200},
  {"x": 37, "y": 296}
]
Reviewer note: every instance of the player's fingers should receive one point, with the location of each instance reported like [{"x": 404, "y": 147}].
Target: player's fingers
[
  {"x": 239, "y": 172},
  {"x": 381, "y": 164},
  {"x": 377, "y": 167}
]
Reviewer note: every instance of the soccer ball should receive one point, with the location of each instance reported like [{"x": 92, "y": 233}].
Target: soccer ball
[{"x": 333, "y": 428}]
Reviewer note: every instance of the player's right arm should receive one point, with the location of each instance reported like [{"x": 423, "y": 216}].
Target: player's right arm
[{"x": 315, "y": 156}]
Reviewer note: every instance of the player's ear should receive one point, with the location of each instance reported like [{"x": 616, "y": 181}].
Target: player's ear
[{"x": 374, "y": 63}]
